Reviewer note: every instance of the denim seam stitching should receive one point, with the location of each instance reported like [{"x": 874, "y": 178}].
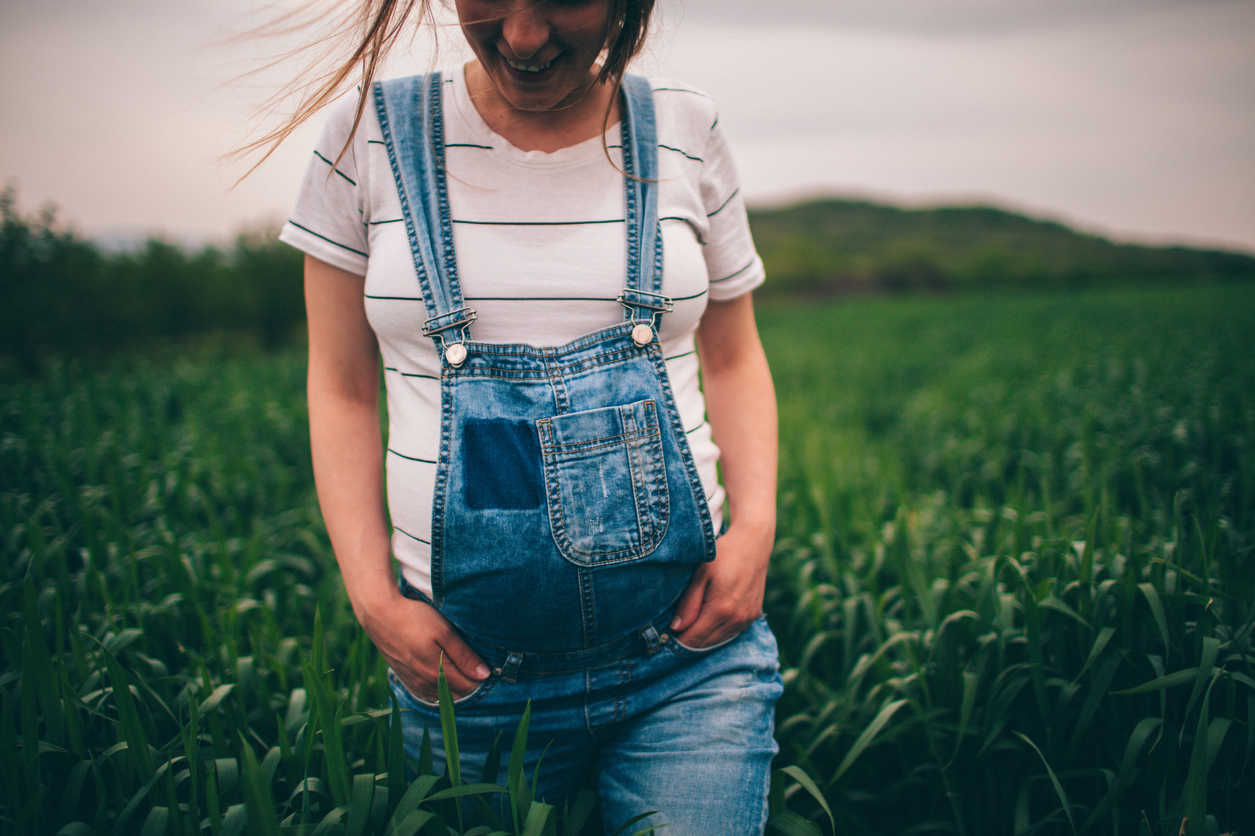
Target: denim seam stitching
[{"x": 598, "y": 443}]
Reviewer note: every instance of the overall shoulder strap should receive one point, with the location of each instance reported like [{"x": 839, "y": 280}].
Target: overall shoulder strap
[
  {"x": 643, "y": 295},
  {"x": 411, "y": 121}
]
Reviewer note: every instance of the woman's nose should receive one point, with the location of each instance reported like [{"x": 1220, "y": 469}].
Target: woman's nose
[{"x": 525, "y": 29}]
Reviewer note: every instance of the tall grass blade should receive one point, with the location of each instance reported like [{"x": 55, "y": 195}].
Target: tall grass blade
[
  {"x": 132, "y": 728},
  {"x": 1194, "y": 794},
  {"x": 37, "y": 665},
  {"x": 1156, "y": 609},
  {"x": 414, "y": 796},
  {"x": 516, "y": 779},
  {"x": 1063, "y": 797},
  {"x": 804, "y": 780},
  {"x": 1206, "y": 671},
  {"x": 1215, "y": 738},
  {"x": 413, "y": 822},
  {"x": 1167, "y": 681},
  {"x": 123, "y": 823},
  {"x": 258, "y": 803},
  {"x": 791, "y": 824},
  {"x": 542, "y": 820},
  {"x": 1128, "y": 764},
  {"x": 865, "y": 739},
  {"x": 360, "y": 798},
  {"x": 971, "y": 682},
  {"x": 579, "y": 812},
  {"x": 623, "y": 828},
  {"x": 449, "y": 731},
  {"x": 396, "y": 754},
  {"x": 448, "y": 728},
  {"x": 1100, "y": 644}
]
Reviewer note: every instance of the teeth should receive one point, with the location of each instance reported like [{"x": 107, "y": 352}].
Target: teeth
[{"x": 529, "y": 68}]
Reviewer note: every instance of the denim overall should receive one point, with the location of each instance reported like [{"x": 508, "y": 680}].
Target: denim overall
[{"x": 568, "y": 514}]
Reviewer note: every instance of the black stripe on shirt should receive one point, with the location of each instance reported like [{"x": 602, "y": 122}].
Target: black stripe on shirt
[
  {"x": 678, "y": 356},
  {"x": 734, "y": 275},
  {"x": 680, "y": 90},
  {"x": 411, "y": 536},
  {"x": 725, "y": 203},
  {"x": 409, "y": 374},
  {"x": 598, "y": 299},
  {"x": 411, "y": 458},
  {"x": 328, "y": 240},
  {"x": 681, "y": 152},
  {"x": 536, "y": 223},
  {"x": 539, "y": 299},
  {"x": 333, "y": 167},
  {"x": 389, "y": 221},
  {"x": 467, "y": 145}
]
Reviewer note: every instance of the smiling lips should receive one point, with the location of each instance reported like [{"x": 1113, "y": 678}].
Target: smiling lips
[{"x": 528, "y": 68}]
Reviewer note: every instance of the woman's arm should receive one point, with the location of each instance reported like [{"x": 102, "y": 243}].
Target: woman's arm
[
  {"x": 348, "y": 472},
  {"x": 726, "y": 595}
]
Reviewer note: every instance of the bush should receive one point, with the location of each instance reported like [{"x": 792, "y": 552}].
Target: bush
[{"x": 60, "y": 296}]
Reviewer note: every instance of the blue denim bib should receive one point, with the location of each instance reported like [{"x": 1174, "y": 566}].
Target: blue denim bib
[{"x": 568, "y": 513}]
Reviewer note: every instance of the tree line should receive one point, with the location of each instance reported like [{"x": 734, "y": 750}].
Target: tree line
[
  {"x": 831, "y": 247},
  {"x": 62, "y": 295}
]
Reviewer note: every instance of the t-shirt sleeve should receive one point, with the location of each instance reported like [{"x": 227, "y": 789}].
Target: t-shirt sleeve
[
  {"x": 328, "y": 220},
  {"x": 731, "y": 260}
]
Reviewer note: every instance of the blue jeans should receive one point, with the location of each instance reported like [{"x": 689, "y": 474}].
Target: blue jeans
[{"x": 685, "y": 732}]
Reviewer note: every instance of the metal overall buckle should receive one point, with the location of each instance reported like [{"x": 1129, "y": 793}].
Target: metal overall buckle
[
  {"x": 455, "y": 352},
  {"x": 656, "y": 303}
]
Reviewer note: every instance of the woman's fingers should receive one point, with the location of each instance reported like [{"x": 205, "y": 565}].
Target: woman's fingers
[
  {"x": 418, "y": 642},
  {"x": 690, "y": 605},
  {"x": 460, "y": 659},
  {"x": 712, "y": 626},
  {"x": 704, "y": 617}
]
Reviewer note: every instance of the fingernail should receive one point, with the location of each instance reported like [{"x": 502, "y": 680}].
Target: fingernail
[
  {"x": 675, "y": 623},
  {"x": 482, "y": 671}
]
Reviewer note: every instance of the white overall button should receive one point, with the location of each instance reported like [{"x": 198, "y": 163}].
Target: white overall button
[
  {"x": 642, "y": 334},
  {"x": 455, "y": 354}
]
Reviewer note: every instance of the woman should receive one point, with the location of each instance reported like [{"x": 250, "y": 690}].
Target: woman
[{"x": 540, "y": 248}]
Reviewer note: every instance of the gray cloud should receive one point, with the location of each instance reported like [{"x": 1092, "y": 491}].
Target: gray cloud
[
  {"x": 1136, "y": 116},
  {"x": 922, "y": 16}
]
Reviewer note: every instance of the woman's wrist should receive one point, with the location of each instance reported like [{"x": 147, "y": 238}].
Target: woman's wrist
[
  {"x": 369, "y": 590},
  {"x": 754, "y": 520}
]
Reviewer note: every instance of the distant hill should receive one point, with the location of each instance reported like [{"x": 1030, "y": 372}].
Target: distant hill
[{"x": 846, "y": 246}]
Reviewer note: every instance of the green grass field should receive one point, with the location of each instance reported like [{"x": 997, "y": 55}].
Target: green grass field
[{"x": 1012, "y": 585}]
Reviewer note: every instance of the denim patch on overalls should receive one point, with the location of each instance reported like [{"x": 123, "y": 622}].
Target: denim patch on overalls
[{"x": 568, "y": 515}]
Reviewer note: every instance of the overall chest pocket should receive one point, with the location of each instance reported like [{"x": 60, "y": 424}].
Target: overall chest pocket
[{"x": 605, "y": 482}]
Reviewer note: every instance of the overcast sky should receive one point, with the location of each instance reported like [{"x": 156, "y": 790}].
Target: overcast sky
[{"x": 1134, "y": 118}]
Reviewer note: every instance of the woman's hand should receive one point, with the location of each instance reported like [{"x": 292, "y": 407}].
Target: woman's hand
[
  {"x": 416, "y": 640},
  {"x": 725, "y": 596}
]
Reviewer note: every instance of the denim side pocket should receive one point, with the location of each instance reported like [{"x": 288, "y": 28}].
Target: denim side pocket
[
  {"x": 681, "y": 649},
  {"x": 606, "y": 482},
  {"x": 403, "y": 693}
]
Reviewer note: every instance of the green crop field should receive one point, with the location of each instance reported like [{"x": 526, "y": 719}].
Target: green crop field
[{"x": 1013, "y": 587}]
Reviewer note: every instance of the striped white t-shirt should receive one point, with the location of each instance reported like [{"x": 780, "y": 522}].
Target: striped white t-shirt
[{"x": 541, "y": 256}]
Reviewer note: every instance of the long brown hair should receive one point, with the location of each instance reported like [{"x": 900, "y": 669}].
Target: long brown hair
[{"x": 367, "y": 34}]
